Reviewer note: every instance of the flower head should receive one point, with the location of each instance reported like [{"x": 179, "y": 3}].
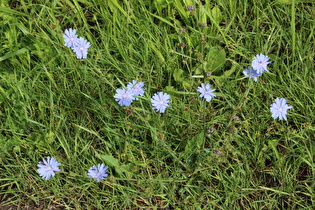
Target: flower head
[
  {"x": 160, "y": 101},
  {"x": 251, "y": 73},
  {"x": 203, "y": 24},
  {"x": 136, "y": 87},
  {"x": 48, "y": 167},
  {"x": 124, "y": 96},
  {"x": 279, "y": 109},
  {"x": 260, "y": 63},
  {"x": 206, "y": 91},
  {"x": 190, "y": 8},
  {"x": 98, "y": 172},
  {"x": 182, "y": 30},
  {"x": 70, "y": 37},
  {"x": 81, "y": 48}
]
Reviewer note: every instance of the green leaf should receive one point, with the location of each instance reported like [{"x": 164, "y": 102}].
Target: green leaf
[
  {"x": 194, "y": 144},
  {"x": 110, "y": 160},
  {"x": 201, "y": 68},
  {"x": 50, "y": 137},
  {"x": 189, "y": 2},
  {"x": 216, "y": 14},
  {"x": 114, "y": 163},
  {"x": 94, "y": 133},
  {"x": 9, "y": 55},
  {"x": 178, "y": 75},
  {"x": 226, "y": 74},
  {"x": 162, "y": 19},
  {"x": 215, "y": 59},
  {"x": 158, "y": 53},
  {"x": 160, "y": 5},
  {"x": 12, "y": 12},
  {"x": 114, "y": 5},
  {"x": 182, "y": 7},
  {"x": 187, "y": 83},
  {"x": 171, "y": 90},
  {"x": 202, "y": 14}
]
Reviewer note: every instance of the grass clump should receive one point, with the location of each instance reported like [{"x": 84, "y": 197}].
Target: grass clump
[{"x": 226, "y": 153}]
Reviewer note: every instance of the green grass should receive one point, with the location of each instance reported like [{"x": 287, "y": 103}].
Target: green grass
[{"x": 52, "y": 104}]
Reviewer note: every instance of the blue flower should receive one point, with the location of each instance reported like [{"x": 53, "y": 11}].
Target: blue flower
[
  {"x": 279, "y": 109},
  {"x": 98, "y": 172},
  {"x": 81, "y": 48},
  {"x": 124, "y": 96},
  {"x": 251, "y": 73},
  {"x": 206, "y": 92},
  {"x": 136, "y": 87},
  {"x": 70, "y": 37},
  {"x": 190, "y": 8},
  {"x": 160, "y": 101},
  {"x": 48, "y": 167},
  {"x": 260, "y": 63}
]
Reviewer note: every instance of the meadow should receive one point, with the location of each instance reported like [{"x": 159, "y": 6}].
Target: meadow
[{"x": 226, "y": 153}]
